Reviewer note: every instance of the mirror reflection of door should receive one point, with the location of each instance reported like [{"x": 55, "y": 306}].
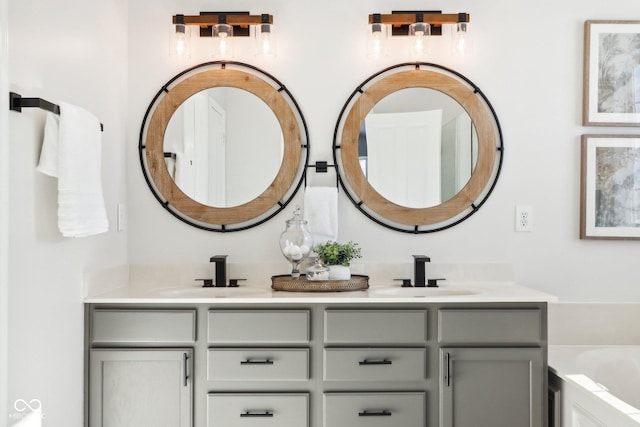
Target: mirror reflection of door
[
  {"x": 404, "y": 156},
  {"x": 219, "y": 137},
  {"x": 217, "y": 133},
  {"x": 460, "y": 152},
  {"x": 195, "y": 140},
  {"x": 418, "y": 147}
]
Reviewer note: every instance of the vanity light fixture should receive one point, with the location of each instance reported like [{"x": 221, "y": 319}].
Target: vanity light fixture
[
  {"x": 377, "y": 36},
  {"x": 265, "y": 37},
  {"x": 224, "y": 27},
  {"x": 461, "y": 43},
  {"x": 180, "y": 38},
  {"x": 222, "y": 34},
  {"x": 420, "y": 26},
  {"x": 419, "y": 33}
]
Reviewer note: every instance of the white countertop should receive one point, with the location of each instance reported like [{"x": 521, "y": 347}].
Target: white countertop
[
  {"x": 477, "y": 282},
  {"x": 476, "y": 292}
]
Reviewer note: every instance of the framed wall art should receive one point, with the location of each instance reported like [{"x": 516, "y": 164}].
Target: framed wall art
[
  {"x": 611, "y": 73},
  {"x": 610, "y": 187}
]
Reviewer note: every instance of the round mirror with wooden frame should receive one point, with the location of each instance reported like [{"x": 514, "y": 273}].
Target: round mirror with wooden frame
[
  {"x": 351, "y": 158},
  {"x": 160, "y": 175}
]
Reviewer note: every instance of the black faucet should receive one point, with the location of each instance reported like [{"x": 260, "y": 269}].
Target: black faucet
[
  {"x": 419, "y": 270},
  {"x": 221, "y": 270}
]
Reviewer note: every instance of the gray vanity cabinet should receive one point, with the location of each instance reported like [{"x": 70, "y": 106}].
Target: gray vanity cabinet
[
  {"x": 375, "y": 367},
  {"x": 492, "y": 367},
  {"x": 258, "y": 367},
  {"x": 497, "y": 387},
  {"x": 141, "y": 367},
  {"x": 341, "y": 364}
]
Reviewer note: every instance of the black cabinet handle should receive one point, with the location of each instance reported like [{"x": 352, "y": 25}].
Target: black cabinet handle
[
  {"x": 185, "y": 358},
  {"x": 257, "y": 362},
  {"x": 375, "y": 362},
  {"x": 268, "y": 414},
  {"x": 447, "y": 369},
  {"x": 384, "y": 413}
]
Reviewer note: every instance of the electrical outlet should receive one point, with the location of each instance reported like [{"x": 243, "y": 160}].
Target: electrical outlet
[{"x": 524, "y": 218}]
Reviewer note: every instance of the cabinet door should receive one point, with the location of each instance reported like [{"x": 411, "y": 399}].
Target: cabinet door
[
  {"x": 497, "y": 387},
  {"x": 133, "y": 388}
]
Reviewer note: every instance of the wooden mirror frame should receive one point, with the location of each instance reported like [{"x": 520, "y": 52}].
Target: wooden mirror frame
[
  {"x": 485, "y": 173},
  {"x": 295, "y": 151}
]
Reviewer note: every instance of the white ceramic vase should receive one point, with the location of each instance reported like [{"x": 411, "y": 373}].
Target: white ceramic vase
[{"x": 339, "y": 272}]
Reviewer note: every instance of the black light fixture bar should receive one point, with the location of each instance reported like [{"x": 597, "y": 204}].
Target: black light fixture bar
[
  {"x": 241, "y": 21},
  {"x": 401, "y": 19}
]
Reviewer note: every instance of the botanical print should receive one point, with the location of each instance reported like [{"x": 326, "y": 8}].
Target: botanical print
[
  {"x": 617, "y": 201},
  {"x": 619, "y": 73}
]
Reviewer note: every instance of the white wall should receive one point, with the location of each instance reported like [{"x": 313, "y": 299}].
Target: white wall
[
  {"x": 4, "y": 212},
  {"x": 74, "y": 51},
  {"x": 528, "y": 62}
]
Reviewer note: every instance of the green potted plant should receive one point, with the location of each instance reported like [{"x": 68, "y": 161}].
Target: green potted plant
[{"x": 338, "y": 257}]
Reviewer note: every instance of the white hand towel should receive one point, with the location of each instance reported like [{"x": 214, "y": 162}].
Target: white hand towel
[
  {"x": 81, "y": 208},
  {"x": 321, "y": 212},
  {"x": 48, "y": 163}
]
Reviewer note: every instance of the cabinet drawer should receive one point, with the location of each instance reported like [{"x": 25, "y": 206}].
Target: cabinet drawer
[
  {"x": 490, "y": 326},
  {"x": 143, "y": 326},
  {"x": 258, "y": 364},
  {"x": 258, "y": 410},
  {"x": 374, "y": 409},
  {"x": 259, "y": 326},
  {"x": 375, "y": 326},
  {"x": 379, "y": 364}
]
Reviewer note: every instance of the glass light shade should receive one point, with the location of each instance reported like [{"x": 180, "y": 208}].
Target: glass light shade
[
  {"x": 461, "y": 42},
  {"x": 223, "y": 41},
  {"x": 419, "y": 33},
  {"x": 180, "y": 41},
  {"x": 265, "y": 40},
  {"x": 377, "y": 36}
]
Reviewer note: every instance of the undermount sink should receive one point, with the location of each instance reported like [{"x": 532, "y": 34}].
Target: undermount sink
[
  {"x": 201, "y": 292},
  {"x": 423, "y": 292}
]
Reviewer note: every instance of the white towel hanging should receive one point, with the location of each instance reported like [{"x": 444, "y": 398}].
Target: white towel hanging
[
  {"x": 321, "y": 212},
  {"x": 72, "y": 151},
  {"x": 48, "y": 163}
]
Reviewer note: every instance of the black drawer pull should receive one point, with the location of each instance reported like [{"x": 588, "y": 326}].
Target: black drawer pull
[
  {"x": 257, "y": 414},
  {"x": 375, "y": 362},
  {"x": 257, "y": 362},
  {"x": 384, "y": 413}
]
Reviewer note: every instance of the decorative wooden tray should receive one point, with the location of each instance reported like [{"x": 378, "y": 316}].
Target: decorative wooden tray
[{"x": 289, "y": 284}]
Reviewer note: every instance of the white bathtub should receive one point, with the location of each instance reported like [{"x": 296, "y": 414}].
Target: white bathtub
[{"x": 599, "y": 385}]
